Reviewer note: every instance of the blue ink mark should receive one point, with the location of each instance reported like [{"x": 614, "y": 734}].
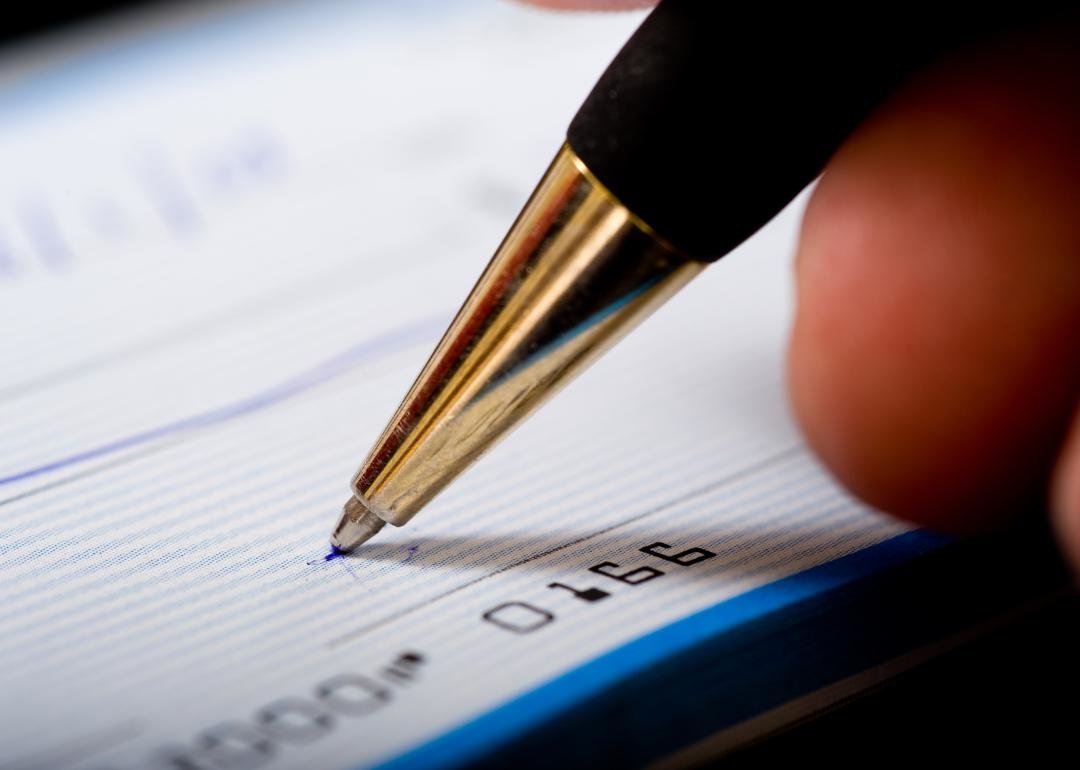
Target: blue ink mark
[
  {"x": 342, "y": 363},
  {"x": 334, "y": 553},
  {"x": 412, "y": 552}
]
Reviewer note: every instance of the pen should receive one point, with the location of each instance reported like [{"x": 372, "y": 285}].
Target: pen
[{"x": 705, "y": 125}]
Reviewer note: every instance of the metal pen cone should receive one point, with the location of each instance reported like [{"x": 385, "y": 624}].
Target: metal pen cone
[
  {"x": 356, "y": 526},
  {"x": 574, "y": 274}
]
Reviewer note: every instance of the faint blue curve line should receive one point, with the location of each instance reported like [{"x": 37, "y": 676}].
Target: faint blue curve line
[{"x": 342, "y": 363}]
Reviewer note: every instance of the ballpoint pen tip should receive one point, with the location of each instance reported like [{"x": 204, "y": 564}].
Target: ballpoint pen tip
[{"x": 356, "y": 525}]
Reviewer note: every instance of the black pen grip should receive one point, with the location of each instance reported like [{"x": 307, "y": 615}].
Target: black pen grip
[{"x": 710, "y": 120}]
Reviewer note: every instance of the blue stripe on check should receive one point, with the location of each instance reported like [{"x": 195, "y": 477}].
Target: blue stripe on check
[{"x": 498, "y": 727}]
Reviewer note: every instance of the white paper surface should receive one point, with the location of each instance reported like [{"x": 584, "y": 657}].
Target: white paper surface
[{"x": 226, "y": 247}]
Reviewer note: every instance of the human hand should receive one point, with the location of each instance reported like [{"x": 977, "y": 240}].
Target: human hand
[{"x": 934, "y": 363}]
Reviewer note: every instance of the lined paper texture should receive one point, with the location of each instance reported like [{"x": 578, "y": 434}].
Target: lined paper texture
[{"x": 227, "y": 244}]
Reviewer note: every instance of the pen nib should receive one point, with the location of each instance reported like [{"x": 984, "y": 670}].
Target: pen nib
[{"x": 357, "y": 525}]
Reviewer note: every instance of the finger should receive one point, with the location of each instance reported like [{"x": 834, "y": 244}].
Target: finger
[
  {"x": 1066, "y": 496},
  {"x": 592, "y": 5},
  {"x": 935, "y": 357}
]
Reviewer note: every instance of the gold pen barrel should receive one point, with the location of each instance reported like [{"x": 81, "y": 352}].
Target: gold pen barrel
[{"x": 575, "y": 273}]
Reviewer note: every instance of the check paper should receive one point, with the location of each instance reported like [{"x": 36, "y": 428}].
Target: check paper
[{"x": 227, "y": 245}]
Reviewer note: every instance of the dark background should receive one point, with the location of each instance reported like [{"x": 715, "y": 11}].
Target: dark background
[
  {"x": 1011, "y": 696},
  {"x": 1007, "y": 699},
  {"x": 27, "y": 19}
]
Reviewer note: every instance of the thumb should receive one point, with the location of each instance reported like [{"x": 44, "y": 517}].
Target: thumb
[{"x": 935, "y": 358}]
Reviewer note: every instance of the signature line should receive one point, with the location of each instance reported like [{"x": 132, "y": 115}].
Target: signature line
[{"x": 345, "y": 361}]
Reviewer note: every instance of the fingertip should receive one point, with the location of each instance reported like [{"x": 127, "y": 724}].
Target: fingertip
[
  {"x": 591, "y": 5},
  {"x": 933, "y": 363},
  {"x": 1065, "y": 496}
]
